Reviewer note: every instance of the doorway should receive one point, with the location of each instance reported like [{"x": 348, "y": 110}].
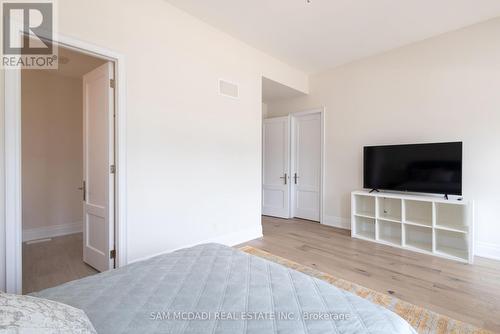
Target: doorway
[
  {"x": 67, "y": 146},
  {"x": 115, "y": 238},
  {"x": 292, "y": 165}
]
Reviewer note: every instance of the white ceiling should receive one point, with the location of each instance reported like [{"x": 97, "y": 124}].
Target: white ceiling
[
  {"x": 328, "y": 33},
  {"x": 274, "y": 91},
  {"x": 75, "y": 64}
]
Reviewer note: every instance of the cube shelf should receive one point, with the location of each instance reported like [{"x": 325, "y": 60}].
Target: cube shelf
[
  {"x": 365, "y": 227},
  {"x": 389, "y": 232},
  {"x": 451, "y": 217},
  {"x": 452, "y": 244},
  {"x": 418, "y": 237},
  {"x": 389, "y": 209},
  {"x": 365, "y": 206},
  {"x": 418, "y": 212},
  {"x": 425, "y": 224}
]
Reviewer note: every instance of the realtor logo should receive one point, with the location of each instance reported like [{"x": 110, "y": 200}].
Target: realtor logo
[{"x": 28, "y": 29}]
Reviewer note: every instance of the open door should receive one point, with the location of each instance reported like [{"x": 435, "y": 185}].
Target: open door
[
  {"x": 98, "y": 168},
  {"x": 275, "y": 162}
]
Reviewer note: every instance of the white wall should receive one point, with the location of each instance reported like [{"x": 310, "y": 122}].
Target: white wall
[
  {"x": 2, "y": 188},
  {"x": 52, "y": 157},
  {"x": 443, "y": 89},
  {"x": 193, "y": 156}
]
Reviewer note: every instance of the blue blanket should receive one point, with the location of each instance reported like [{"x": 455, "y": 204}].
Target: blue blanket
[{"x": 217, "y": 289}]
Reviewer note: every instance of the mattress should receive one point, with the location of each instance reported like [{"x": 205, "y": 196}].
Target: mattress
[{"x": 217, "y": 289}]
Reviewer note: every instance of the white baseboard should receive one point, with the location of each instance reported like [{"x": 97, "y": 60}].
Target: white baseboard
[
  {"x": 338, "y": 222},
  {"x": 231, "y": 239},
  {"x": 52, "y": 231},
  {"x": 488, "y": 250}
]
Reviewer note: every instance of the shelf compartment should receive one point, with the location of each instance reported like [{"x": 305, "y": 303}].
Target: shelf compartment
[
  {"x": 389, "y": 232},
  {"x": 452, "y": 217},
  {"x": 418, "y": 212},
  {"x": 418, "y": 237},
  {"x": 364, "y": 206},
  {"x": 452, "y": 244},
  {"x": 389, "y": 208},
  {"x": 365, "y": 227}
]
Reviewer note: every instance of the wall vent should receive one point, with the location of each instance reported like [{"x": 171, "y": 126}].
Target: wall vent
[{"x": 229, "y": 89}]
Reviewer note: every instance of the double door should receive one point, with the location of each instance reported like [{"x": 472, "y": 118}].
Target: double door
[{"x": 292, "y": 162}]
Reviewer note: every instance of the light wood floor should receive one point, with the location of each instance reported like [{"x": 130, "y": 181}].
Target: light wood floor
[
  {"x": 51, "y": 263},
  {"x": 469, "y": 293}
]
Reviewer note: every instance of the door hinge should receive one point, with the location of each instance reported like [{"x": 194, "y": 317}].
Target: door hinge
[
  {"x": 112, "y": 254},
  {"x": 83, "y": 188},
  {"x": 112, "y": 83},
  {"x": 112, "y": 169}
]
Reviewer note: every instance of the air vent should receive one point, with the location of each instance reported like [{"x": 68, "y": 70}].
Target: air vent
[{"x": 228, "y": 89}]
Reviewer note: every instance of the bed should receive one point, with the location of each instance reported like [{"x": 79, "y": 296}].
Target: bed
[{"x": 217, "y": 289}]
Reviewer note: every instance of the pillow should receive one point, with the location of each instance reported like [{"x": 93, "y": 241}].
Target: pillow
[{"x": 25, "y": 314}]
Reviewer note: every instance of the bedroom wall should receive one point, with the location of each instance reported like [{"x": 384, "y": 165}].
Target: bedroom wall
[
  {"x": 2, "y": 187},
  {"x": 52, "y": 156},
  {"x": 442, "y": 89},
  {"x": 193, "y": 156}
]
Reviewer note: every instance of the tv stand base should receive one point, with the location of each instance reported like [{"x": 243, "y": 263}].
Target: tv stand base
[
  {"x": 374, "y": 190},
  {"x": 443, "y": 227}
]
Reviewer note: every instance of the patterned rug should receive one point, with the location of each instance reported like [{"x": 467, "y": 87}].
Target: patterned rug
[{"x": 423, "y": 320}]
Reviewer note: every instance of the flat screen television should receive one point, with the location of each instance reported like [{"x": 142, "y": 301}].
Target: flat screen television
[{"x": 426, "y": 168}]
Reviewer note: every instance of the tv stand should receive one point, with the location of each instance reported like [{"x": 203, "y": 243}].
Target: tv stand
[
  {"x": 427, "y": 224},
  {"x": 374, "y": 190},
  {"x": 446, "y": 196}
]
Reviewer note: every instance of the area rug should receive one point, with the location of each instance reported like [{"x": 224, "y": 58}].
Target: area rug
[{"x": 423, "y": 320}]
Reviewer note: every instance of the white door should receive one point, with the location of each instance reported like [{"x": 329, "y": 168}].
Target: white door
[
  {"x": 306, "y": 166},
  {"x": 98, "y": 157},
  {"x": 275, "y": 162}
]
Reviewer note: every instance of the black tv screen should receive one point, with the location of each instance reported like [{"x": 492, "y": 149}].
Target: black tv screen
[{"x": 427, "y": 168}]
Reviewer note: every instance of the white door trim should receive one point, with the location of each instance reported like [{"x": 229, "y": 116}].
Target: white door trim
[
  {"x": 12, "y": 128},
  {"x": 293, "y": 115}
]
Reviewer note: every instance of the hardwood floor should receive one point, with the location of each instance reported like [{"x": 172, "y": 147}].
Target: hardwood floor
[
  {"x": 48, "y": 264},
  {"x": 470, "y": 293}
]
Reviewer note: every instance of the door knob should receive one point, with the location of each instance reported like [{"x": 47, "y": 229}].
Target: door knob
[{"x": 284, "y": 177}]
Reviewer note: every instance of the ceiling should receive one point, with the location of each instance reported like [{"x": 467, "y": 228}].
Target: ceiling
[
  {"x": 75, "y": 64},
  {"x": 327, "y": 33},
  {"x": 274, "y": 91}
]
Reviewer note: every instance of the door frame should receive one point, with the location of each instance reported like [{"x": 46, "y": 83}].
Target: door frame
[
  {"x": 293, "y": 115},
  {"x": 13, "y": 176}
]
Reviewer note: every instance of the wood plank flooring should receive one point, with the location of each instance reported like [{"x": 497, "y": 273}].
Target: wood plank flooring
[
  {"x": 470, "y": 293},
  {"x": 51, "y": 263}
]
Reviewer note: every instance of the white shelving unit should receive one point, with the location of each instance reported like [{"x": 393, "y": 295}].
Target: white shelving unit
[{"x": 426, "y": 224}]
